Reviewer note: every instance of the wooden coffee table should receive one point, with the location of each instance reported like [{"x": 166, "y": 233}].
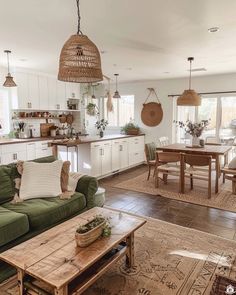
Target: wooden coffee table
[{"x": 52, "y": 258}]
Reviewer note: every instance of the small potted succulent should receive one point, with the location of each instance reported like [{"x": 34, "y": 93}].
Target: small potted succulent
[
  {"x": 101, "y": 126},
  {"x": 88, "y": 233},
  {"x": 130, "y": 129}
]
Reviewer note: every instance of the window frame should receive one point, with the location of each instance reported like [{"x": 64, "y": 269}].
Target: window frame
[
  {"x": 103, "y": 107},
  {"x": 219, "y": 110}
]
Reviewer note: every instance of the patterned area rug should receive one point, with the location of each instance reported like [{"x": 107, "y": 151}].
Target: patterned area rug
[
  {"x": 223, "y": 200},
  {"x": 170, "y": 259}
]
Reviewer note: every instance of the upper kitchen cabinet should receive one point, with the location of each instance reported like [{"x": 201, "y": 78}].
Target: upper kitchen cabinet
[
  {"x": 33, "y": 86},
  {"x": 61, "y": 96},
  {"x": 72, "y": 90},
  {"x": 43, "y": 93},
  {"x": 52, "y": 94},
  {"x": 27, "y": 91}
]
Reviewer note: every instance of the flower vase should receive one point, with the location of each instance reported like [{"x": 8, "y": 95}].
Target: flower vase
[
  {"x": 195, "y": 141},
  {"x": 101, "y": 133}
]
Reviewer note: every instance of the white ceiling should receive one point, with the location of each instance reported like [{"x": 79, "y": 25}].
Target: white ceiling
[{"x": 152, "y": 37}]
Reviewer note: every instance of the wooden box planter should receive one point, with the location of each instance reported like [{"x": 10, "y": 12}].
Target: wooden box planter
[
  {"x": 85, "y": 239},
  {"x": 132, "y": 131}
]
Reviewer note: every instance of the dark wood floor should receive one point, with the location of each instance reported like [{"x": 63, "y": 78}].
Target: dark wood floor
[{"x": 215, "y": 221}]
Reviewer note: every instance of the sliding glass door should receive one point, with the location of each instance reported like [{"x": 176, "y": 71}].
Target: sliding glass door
[{"x": 220, "y": 110}]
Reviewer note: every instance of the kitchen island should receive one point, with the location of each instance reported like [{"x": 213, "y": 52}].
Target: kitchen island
[{"x": 100, "y": 157}]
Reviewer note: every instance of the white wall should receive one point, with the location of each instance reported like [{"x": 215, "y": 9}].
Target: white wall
[{"x": 172, "y": 86}]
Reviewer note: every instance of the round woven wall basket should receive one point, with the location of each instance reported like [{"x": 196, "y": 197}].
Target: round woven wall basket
[
  {"x": 152, "y": 114},
  {"x": 80, "y": 61}
]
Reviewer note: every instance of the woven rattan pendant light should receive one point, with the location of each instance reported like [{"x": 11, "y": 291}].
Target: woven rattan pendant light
[
  {"x": 116, "y": 94},
  {"x": 80, "y": 60},
  {"x": 9, "y": 82},
  {"x": 189, "y": 97}
]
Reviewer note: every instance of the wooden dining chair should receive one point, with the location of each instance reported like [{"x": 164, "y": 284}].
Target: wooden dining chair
[
  {"x": 150, "y": 153},
  {"x": 196, "y": 169},
  {"x": 164, "y": 140},
  {"x": 168, "y": 163}
]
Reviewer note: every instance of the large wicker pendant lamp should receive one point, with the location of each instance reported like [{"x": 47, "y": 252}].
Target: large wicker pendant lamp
[
  {"x": 9, "y": 82},
  {"x": 80, "y": 60},
  {"x": 189, "y": 97},
  {"x": 116, "y": 94}
]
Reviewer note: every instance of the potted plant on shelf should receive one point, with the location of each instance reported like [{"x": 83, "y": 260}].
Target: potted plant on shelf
[
  {"x": 88, "y": 233},
  {"x": 101, "y": 126},
  {"x": 130, "y": 129},
  {"x": 193, "y": 129}
]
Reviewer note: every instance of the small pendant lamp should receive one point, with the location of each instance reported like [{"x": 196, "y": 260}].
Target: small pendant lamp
[
  {"x": 189, "y": 97},
  {"x": 80, "y": 60},
  {"x": 9, "y": 82},
  {"x": 116, "y": 94}
]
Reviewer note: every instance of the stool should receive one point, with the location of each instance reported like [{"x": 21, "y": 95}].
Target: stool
[
  {"x": 99, "y": 197},
  {"x": 230, "y": 174}
]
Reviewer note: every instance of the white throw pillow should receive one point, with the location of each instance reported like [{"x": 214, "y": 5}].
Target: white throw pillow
[
  {"x": 41, "y": 180},
  {"x": 232, "y": 163}
]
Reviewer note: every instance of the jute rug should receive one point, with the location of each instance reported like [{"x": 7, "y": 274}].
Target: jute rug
[
  {"x": 223, "y": 200},
  {"x": 170, "y": 260}
]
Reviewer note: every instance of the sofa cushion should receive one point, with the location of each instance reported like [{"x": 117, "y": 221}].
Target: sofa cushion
[
  {"x": 41, "y": 180},
  {"x": 46, "y": 212},
  {"x": 7, "y": 189},
  {"x": 12, "y": 225}
]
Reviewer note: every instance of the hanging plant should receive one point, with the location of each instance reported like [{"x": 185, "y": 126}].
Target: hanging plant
[
  {"x": 91, "y": 109},
  {"x": 110, "y": 106}
]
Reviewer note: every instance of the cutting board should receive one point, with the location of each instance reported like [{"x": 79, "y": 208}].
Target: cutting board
[{"x": 45, "y": 129}]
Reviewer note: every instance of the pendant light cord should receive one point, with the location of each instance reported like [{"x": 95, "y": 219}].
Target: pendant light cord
[
  {"x": 190, "y": 76},
  {"x": 79, "y": 18},
  {"x": 8, "y": 67}
]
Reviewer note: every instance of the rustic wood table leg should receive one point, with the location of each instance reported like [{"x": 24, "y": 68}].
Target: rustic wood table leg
[
  {"x": 130, "y": 254},
  {"x": 20, "y": 279},
  {"x": 61, "y": 291},
  {"x": 234, "y": 185},
  {"x": 217, "y": 174}
]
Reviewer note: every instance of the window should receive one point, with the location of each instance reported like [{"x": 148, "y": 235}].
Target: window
[
  {"x": 123, "y": 111},
  {"x": 221, "y": 110},
  {"x": 4, "y": 113}
]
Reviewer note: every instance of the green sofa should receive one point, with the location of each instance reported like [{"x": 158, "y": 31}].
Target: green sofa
[{"x": 22, "y": 221}]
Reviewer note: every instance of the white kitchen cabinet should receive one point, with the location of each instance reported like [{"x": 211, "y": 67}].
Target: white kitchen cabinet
[
  {"x": 124, "y": 154},
  {"x": 52, "y": 94},
  {"x": 13, "y": 152},
  {"x": 96, "y": 160},
  {"x": 33, "y": 96},
  {"x": 120, "y": 155},
  {"x": 42, "y": 149},
  {"x": 22, "y": 101},
  {"x": 136, "y": 150},
  {"x": 31, "y": 151},
  {"x": 115, "y": 155},
  {"x": 43, "y": 93},
  {"x": 61, "y": 96},
  {"x": 106, "y": 158}
]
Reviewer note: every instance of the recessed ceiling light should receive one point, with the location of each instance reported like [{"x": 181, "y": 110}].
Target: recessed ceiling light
[
  {"x": 213, "y": 29},
  {"x": 103, "y": 51},
  {"x": 166, "y": 72},
  {"x": 129, "y": 69},
  {"x": 114, "y": 65},
  {"x": 23, "y": 59}
]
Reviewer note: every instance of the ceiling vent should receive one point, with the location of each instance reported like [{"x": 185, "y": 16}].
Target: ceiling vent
[{"x": 199, "y": 70}]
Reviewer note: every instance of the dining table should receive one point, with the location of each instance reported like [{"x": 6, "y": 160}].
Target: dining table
[{"x": 216, "y": 151}]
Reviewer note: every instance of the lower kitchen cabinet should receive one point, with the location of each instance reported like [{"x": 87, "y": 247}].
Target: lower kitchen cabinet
[
  {"x": 11, "y": 153},
  {"x": 107, "y": 157}
]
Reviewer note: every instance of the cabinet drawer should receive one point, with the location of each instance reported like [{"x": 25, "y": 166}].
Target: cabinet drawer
[
  {"x": 136, "y": 143},
  {"x": 136, "y": 158},
  {"x": 13, "y": 148},
  {"x": 41, "y": 144}
]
